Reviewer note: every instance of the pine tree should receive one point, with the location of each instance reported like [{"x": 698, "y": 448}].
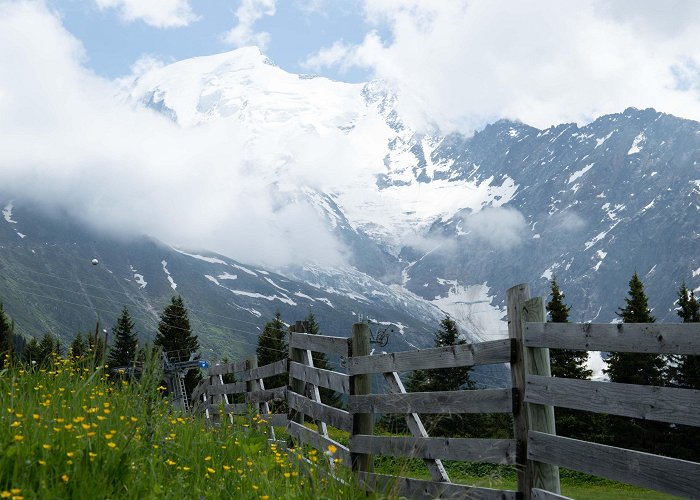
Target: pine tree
[
  {"x": 447, "y": 379},
  {"x": 48, "y": 346},
  {"x": 564, "y": 362},
  {"x": 688, "y": 369},
  {"x": 6, "y": 333},
  {"x": 568, "y": 363},
  {"x": 328, "y": 396},
  {"x": 78, "y": 348},
  {"x": 175, "y": 336},
  {"x": 635, "y": 368},
  {"x": 31, "y": 352},
  {"x": 125, "y": 341},
  {"x": 272, "y": 346}
]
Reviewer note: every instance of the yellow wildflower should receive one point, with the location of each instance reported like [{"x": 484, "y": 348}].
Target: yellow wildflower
[
  {"x": 210, "y": 470},
  {"x": 332, "y": 449},
  {"x": 46, "y": 446},
  {"x": 65, "y": 478},
  {"x": 19, "y": 437},
  {"x": 112, "y": 445}
]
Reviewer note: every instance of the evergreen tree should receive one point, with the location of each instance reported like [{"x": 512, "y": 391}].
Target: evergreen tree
[
  {"x": 175, "y": 337},
  {"x": 31, "y": 352},
  {"x": 125, "y": 341},
  {"x": 688, "y": 369},
  {"x": 6, "y": 336},
  {"x": 447, "y": 379},
  {"x": 78, "y": 348},
  {"x": 328, "y": 396},
  {"x": 636, "y": 368},
  {"x": 272, "y": 346},
  {"x": 48, "y": 347},
  {"x": 568, "y": 363},
  {"x": 564, "y": 362}
]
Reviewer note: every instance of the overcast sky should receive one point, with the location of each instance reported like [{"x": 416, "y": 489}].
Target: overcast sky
[{"x": 66, "y": 139}]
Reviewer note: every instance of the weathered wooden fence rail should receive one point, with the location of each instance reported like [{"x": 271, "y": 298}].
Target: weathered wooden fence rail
[{"x": 536, "y": 450}]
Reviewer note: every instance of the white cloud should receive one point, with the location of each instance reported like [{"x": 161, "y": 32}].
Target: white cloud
[
  {"x": 462, "y": 63},
  {"x": 248, "y": 13},
  {"x": 156, "y": 13},
  {"x": 500, "y": 227},
  {"x": 66, "y": 141}
]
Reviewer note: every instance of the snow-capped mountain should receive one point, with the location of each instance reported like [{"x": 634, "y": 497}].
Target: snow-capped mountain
[
  {"x": 431, "y": 222},
  {"x": 458, "y": 220}
]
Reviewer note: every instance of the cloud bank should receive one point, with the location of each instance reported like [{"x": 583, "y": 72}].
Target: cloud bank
[
  {"x": 248, "y": 13},
  {"x": 156, "y": 13},
  {"x": 464, "y": 63},
  {"x": 66, "y": 140}
]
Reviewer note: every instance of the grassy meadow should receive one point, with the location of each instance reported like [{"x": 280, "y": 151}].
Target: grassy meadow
[{"x": 67, "y": 431}]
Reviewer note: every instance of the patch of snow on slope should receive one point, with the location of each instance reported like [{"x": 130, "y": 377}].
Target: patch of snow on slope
[
  {"x": 138, "y": 277},
  {"x": 599, "y": 142},
  {"x": 304, "y": 296},
  {"x": 227, "y": 276},
  {"x": 21, "y": 235},
  {"x": 7, "y": 213},
  {"x": 275, "y": 285},
  {"x": 696, "y": 272},
  {"x": 284, "y": 299},
  {"x": 635, "y": 148},
  {"x": 173, "y": 285},
  {"x": 579, "y": 173},
  {"x": 211, "y": 260},
  {"x": 595, "y": 239},
  {"x": 212, "y": 279},
  {"x": 244, "y": 269},
  {"x": 471, "y": 307}
]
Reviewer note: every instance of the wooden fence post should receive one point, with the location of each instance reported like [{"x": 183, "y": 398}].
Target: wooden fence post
[
  {"x": 540, "y": 417},
  {"x": 362, "y": 423},
  {"x": 297, "y": 386},
  {"x": 516, "y": 297},
  {"x": 251, "y": 385}
]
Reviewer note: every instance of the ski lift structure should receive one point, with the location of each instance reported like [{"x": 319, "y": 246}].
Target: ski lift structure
[{"x": 176, "y": 365}]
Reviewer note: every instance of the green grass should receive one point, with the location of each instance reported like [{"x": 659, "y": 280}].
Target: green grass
[{"x": 68, "y": 432}]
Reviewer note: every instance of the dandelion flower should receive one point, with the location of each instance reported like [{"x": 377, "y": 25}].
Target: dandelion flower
[
  {"x": 19, "y": 437},
  {"x": 65, "y": 478},
  {"x": 112, "y": 445},
  {"x": 210, "y": 470}
]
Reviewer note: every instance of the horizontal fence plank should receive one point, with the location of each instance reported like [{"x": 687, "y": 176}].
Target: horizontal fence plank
[
  {"x": 276, "y": 394},
  {"x": 319, "y": 411},
  {"x": 495, "y": 451},
  {"x": 319, "y": 343},
  {"x": 235, "y": 408},
  {"x": 334, "y": 381},
  {"x": 224, "y": 368},
  {"x": 312, "y": 438},
  {"x": 394, "y": 486},
  {"x": 233, "y": 388},
  {"x": 670, "y": 475},
  {"x": 656, "y": 338},
  {"x": 276, "y": 368},
  {"x": 484, "y": 353},
  {"x": 200, "y": 389},
  {"x": 664, "y": 404},
  {"x": 477, "y": 401},
  {"x": 276, "y": 419},
  {"x": 538, "y": 494}
]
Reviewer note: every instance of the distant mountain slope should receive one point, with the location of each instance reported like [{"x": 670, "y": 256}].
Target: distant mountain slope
[{"x": 48, "y": 284}]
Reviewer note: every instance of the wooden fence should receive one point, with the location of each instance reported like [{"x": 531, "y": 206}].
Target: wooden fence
[{"x": 536, "y": 451}]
